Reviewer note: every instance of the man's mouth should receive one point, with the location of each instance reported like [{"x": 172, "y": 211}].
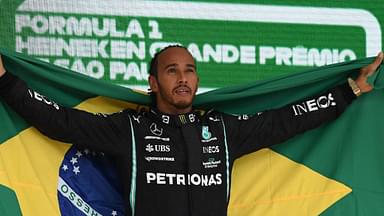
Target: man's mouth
[{"x": 182, "y": 90}]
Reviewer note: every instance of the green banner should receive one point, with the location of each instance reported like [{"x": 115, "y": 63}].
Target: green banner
[{"x": 232, "y": 41}]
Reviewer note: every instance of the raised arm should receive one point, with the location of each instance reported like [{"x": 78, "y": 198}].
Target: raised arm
[
  {"x": 275, "y": 126},
  {"x": 108, "y": 133},
  {"x": 367, "y": 71}
]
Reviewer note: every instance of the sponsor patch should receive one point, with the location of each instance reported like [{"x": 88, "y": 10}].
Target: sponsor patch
[
  {"x": 209, "y": 140},
  {"x": 211, "y": 163},
  {"x": 183, "y": 179},
  {"x": 157, "y": 148},
  {"x": 155, "y": 130},
  {"x": 322, "y": 102},
  {"x": 149, "y": 159},
  {"x": 166, "y": 139},
  {"x": 211, "y": 149},
  {"x": 205, "y": 133}
]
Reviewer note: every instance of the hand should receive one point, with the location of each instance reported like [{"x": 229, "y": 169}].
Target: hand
[
  {"x": 367, "y": 71},
  {"x": 2, "y": 69}
]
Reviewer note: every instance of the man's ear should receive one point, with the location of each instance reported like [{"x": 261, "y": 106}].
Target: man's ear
[{"x": 153, "y": 83}]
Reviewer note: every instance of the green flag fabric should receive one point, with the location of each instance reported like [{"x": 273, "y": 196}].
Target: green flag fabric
[{"x": 337, "y": 169}]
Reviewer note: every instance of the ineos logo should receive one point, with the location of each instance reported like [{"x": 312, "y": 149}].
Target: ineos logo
[
  {"x": 322, "y": 102},
  {"x": 155, "y": 130},
  {"x": 42, "y": 98},
  {"x": 211, "y": 149}
]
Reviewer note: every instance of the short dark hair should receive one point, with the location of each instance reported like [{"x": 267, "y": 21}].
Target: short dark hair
[{"x": 154, "y": 61}]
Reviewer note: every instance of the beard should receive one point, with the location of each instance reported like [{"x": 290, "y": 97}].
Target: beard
[
  {"x": 182, "y": 104},
  {"x": 179, "y": 104}
]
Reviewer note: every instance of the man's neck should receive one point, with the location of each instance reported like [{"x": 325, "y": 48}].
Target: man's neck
[{"x": 170, "y": 110}]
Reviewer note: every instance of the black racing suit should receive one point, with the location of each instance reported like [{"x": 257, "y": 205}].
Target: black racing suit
[{"x": 174, "y": 165}]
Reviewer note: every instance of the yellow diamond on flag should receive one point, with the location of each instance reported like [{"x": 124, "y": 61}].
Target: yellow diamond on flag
[{"x": 267, "y": 183}]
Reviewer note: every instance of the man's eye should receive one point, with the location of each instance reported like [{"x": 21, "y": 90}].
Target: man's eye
[{"x": 172, "y": 70}]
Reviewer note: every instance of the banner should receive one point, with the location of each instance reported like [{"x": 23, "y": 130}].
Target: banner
[
  {"x": 232, "y": 41},
  {"x": 333, "y": 170}
]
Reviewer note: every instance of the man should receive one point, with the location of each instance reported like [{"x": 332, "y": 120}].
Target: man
[{"x": 172, "y": 159}]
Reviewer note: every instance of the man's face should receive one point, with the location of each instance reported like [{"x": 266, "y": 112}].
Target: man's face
[{"x": 176, "y": 82}]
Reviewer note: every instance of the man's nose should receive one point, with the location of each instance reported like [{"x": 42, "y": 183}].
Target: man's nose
[{"x": 182, "y": 77}]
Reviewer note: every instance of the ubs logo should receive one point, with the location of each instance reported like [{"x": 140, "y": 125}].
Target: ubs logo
[
  {"x": 149, "y": 148},
  {"x": 157, "y": 148},
  {"x": 155, "y": 130}
]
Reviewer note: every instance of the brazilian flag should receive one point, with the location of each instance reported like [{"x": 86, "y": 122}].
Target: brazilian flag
[{"x": 337, "y": 169}]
